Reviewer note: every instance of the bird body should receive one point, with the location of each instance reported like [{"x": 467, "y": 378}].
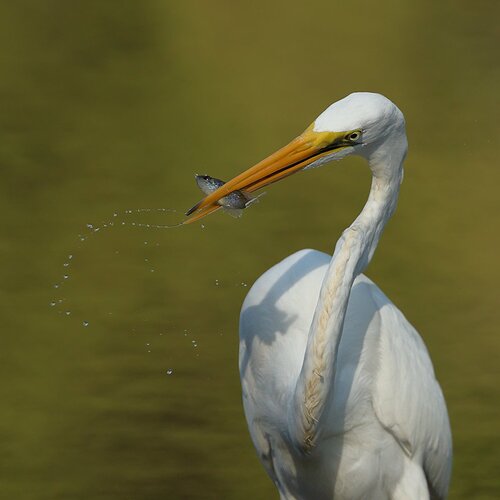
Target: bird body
[
  {"x": 384, "y": 436},
  {"x": 338, "y": 388}
]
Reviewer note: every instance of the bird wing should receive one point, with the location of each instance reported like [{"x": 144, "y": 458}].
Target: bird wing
[
  {"x": 404, "y": 393},
  {"x": 407, "y": 398}
]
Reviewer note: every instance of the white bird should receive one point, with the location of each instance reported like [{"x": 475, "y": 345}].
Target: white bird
[{"x": 339, "y": 391}]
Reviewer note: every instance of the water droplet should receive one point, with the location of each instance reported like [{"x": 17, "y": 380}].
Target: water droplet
[
  {"x": 66, "y": 276},
  {"x": 52, "y": 304},
  {"x": 115, "y": 215},
  {"x": 70, "y": 256},
  {"x": 97, "y": 229},
  {"x": 216, "y": 282},
  {"x": 243, "y": 283},
  {"x": 90, "y": 226},
  {"x": 146, "y": 260},
  {"x": 145, "y": 242},
  {"x": 67, "y": 313},
  {"x": 147, "y": 343},
  {"x": 85, "y": 323},
  {"x": 123, "y": 223},
  {"x": 66, "y": 264},
  {"x": 56, "y": 285},
  {"x": 170, "y": 371},
  {"x": 152, "y": 270},
  {"x": 203, "y": 226}
]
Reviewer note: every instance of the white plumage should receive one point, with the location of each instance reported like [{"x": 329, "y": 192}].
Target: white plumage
[
  {"x": 386, "y": 435},
  {"x": 338, "y": 388}
]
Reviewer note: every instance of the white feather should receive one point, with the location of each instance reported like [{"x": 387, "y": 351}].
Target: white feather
[{"x": 338, "y": 388}]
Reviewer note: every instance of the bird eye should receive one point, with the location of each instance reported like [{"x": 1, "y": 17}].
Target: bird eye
[{"x": 353, "y": 136}]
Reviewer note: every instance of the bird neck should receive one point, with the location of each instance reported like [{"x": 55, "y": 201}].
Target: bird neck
[
  {"x": 353, "y": 252},
  {"x": 377, "y": 211}
]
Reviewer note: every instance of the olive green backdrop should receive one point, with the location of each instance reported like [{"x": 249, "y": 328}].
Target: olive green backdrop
[{"x": 108, "y": 106}]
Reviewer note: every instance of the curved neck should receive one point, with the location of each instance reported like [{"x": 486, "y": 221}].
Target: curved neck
[
  {"x": 377, "y": 211},
  {"x": 353, "y": 252}
]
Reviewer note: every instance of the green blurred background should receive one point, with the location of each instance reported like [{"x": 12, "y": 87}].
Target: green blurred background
[{"x": 109, "y": 106}]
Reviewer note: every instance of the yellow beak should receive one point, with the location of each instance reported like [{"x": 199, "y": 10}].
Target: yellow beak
[{"x": 297, "y": 155}]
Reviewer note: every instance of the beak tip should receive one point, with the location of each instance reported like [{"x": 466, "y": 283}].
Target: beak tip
[{"x": 193, "y": 209}]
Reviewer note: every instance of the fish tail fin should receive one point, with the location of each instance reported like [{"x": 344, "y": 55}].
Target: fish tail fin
[{"x": 252, "y": 199}]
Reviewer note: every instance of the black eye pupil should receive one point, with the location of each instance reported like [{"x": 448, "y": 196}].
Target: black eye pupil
[{"x": 353, "y": 137}]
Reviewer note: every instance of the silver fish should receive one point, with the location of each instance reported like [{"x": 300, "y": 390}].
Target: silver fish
[
  {"x": 236, "y": 199},
  {"x": 234, "y": 203}
]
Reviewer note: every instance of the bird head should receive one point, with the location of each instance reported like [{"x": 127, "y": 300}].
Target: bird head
[{"x": 362, "y": 123}]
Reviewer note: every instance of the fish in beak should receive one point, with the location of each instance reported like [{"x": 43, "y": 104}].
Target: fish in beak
[
  {"x": 309, "y": 149},
  {"x": 234, "y": 203}
]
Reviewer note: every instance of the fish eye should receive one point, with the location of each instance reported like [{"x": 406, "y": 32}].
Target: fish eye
[{"x": 353, "y": 136}]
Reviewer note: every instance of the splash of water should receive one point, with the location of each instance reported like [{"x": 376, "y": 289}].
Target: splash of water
[{"x": 117, "y": 220}]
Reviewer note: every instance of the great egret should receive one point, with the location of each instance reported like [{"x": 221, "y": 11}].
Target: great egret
[{"x": 338, "y": 388}]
